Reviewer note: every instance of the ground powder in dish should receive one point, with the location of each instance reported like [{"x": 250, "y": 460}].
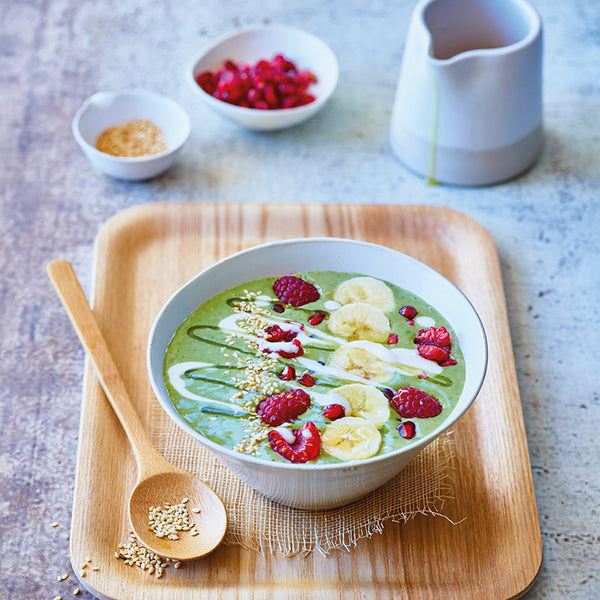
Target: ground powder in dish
[{"x": 135, "y": 138}]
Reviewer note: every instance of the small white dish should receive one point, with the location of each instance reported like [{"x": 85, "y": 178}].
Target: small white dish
[
  {"x": 113, "y": 108},
  {"x": 250, "y": 45},
  {"x": 307, "y": 486}
]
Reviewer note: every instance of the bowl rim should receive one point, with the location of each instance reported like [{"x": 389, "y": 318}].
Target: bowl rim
[
  {"x": 243, "y": 110},
  {"x": 87, "y": 104},
  {"x": 169, "y": 408}
]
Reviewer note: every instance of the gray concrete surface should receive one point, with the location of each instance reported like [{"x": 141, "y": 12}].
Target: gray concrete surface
[{"x": 546, "y": 226}]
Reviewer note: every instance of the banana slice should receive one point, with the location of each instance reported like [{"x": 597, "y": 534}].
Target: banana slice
[
  {"x": 366, "y": 401},
  {"x": 351, "y": 438},
  {"x": 360, "y": 363},
  {"x": 367, "y": 290},
  {"x": 360, "y": 321}
]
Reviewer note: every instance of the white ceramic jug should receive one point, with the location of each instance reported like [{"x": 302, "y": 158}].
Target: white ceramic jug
[{"x": 468, "y": 107}]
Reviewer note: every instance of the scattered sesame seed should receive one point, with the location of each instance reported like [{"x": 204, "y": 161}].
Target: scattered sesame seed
[
  {"x": 134, "y": 554},
  {"x": 76, "y": 592},
  {"x": 95, "y": 568},
  {"x": 55, "y": 524}
]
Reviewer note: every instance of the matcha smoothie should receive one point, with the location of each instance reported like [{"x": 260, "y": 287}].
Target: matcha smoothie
[{"x": 320, "y": 367}]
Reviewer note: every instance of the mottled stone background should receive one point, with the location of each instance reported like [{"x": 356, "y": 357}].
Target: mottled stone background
[{"x": 546, "y": 225}]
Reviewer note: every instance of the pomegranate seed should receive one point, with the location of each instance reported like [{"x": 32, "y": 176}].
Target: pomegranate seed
[
  {"x": 266, "y": 85},
  {"x": 287, "y": 373},
  {"x": 388, "y": 393},
  {"x": 408, "y": 312},
  {"x": 334, "y": 411},
  {"x": 307, "y": 380},
  {"x": 316, "y": 318},
  {"x": 271, "y": 96},
  {"x": 407, "y": 430},
  {"x": 253, "y": 95},
  {"x": 392, "y": 339},
  {"x": 278, "y": 308}
]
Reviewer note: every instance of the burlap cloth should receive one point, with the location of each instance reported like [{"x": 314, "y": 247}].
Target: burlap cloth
[{"x": 259, "y": 524}]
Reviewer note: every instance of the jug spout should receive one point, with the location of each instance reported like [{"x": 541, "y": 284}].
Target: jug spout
[
  {"x": 468, "y": 107},
  {"x": 457, "y": 27}
]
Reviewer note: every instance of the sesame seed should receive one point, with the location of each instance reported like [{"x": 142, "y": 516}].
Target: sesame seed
[
  {"x": 55, "y": 524},
  {"x": 134, "y": 554},
  {"x": 76, "y": 592},
  {"x": 166, "y": 521}
]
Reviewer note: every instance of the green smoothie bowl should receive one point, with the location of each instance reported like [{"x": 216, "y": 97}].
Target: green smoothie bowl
[{"x": 316, "y": 369}]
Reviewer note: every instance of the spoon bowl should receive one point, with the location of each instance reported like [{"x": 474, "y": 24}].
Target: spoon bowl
[
  {"x": 159, "y": 482},
  {"x": 173, "y": 487}
]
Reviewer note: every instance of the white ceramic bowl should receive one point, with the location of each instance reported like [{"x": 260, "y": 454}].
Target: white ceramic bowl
[
  {"x": 113, "y": 108},
  {"x": 254, "y": 43},
  {"x": 321, "y": 486}
]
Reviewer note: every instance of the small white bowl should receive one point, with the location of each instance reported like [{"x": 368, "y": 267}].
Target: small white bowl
[
  {"x": 108, "y": 109},
  {"x": 251, "y": 44},
  {"x": 307, "y": 486}
]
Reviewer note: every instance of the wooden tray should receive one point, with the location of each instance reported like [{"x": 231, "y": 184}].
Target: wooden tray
[{"x": 493, "y": 551}]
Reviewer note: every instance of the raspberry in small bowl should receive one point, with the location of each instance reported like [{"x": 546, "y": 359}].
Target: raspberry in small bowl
[{"x": 265, "y": 77}]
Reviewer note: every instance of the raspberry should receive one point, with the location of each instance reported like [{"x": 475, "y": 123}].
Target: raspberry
[
  {"x": 407, "y": 430},
  {"x": 333, "y": 412},
  {"x": 283, "y": 407},
  {"x": 306, "y": 447},
  {"x": 434, "y": 344},
  {"x": 392, "y": 339},
  {"x": 295, "y": 291},
  {"x": 410, "y": 402}
]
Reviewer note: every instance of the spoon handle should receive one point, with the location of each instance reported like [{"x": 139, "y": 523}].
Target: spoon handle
[{"x": 65, "y": 281}]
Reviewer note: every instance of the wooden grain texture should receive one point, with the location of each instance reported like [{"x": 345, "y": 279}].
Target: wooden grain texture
[
  {"x": 493, "y": 549},
  {"x": 158, "y": 481}
]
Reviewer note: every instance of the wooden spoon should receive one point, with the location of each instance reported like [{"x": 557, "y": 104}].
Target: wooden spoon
[{"x": 158, "y": 482}]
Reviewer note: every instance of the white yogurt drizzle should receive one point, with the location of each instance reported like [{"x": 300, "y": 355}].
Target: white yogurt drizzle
[
  {"x": 286, "y": 434},
  {"x": 402, "y": 360},
  {"x": 305, "y": 335},
  {"x": 425, "y": 321},
  {"x": 175, "y": 375},
  {"x": 398, "y": 356},
  {"x": 331, "y": 305}
]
